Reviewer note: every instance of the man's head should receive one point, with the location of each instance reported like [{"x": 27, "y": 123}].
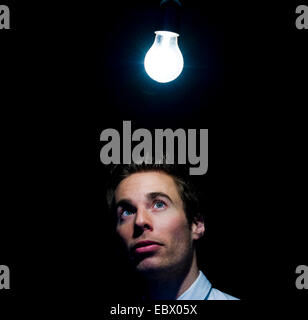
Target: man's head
[{"x": 156, "y": 204}]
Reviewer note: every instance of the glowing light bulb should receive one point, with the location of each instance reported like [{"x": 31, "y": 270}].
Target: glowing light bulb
[{"x": 164, "y": 61}]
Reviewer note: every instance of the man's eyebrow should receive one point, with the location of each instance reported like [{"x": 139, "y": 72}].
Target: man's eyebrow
[
  {"x": 125, "y": 203},
  {"x": 154, "y": 195}
]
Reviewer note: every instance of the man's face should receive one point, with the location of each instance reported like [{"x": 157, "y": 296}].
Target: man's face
[{"x": 149, "y": 208}]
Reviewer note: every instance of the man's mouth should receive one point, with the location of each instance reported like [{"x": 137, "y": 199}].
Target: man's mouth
[{"x": 145, "y": 247}]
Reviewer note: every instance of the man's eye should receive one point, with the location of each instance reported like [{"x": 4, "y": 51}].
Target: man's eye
[
  {"x": 159, "y": 205},
  {"x": 126, "y": 213}
]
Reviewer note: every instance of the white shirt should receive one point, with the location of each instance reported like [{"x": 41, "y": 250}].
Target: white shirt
[{"x": 201, "y": 289}]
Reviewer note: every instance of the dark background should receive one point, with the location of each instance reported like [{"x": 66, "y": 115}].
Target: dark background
[{"x": 70, "y": 70}]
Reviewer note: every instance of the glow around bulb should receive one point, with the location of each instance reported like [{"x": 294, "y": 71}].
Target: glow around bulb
[{"x": 164, "y": 61}]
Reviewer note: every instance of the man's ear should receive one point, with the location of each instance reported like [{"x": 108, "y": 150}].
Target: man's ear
[{"x": 197, "y": 228}]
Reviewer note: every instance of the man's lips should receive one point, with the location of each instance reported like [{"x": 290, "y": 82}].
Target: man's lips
[{"x": 145, "y": 246}]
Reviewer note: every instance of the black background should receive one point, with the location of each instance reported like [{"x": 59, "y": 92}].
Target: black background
[{"x": 70, "y": 70}]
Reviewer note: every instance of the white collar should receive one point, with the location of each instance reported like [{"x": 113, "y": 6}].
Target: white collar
[{"x": 198, "y": 290}]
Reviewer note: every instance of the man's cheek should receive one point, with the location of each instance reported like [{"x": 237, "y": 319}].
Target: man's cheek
[
  {"x": 179, "y": 235},
  {"x": 123, "y": 237}
]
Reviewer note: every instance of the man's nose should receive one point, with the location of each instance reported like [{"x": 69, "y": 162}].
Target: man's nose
[{"x": 143, "y": 219}]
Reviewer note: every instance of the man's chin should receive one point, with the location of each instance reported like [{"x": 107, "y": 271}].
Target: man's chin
[{"x": 151, "y": 267}]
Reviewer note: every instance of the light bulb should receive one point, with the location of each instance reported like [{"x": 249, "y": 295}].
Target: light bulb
[{"x": 164, "y": 61}]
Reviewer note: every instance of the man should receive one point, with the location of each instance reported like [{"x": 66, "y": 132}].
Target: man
[{"x": 158, "y": 221}]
